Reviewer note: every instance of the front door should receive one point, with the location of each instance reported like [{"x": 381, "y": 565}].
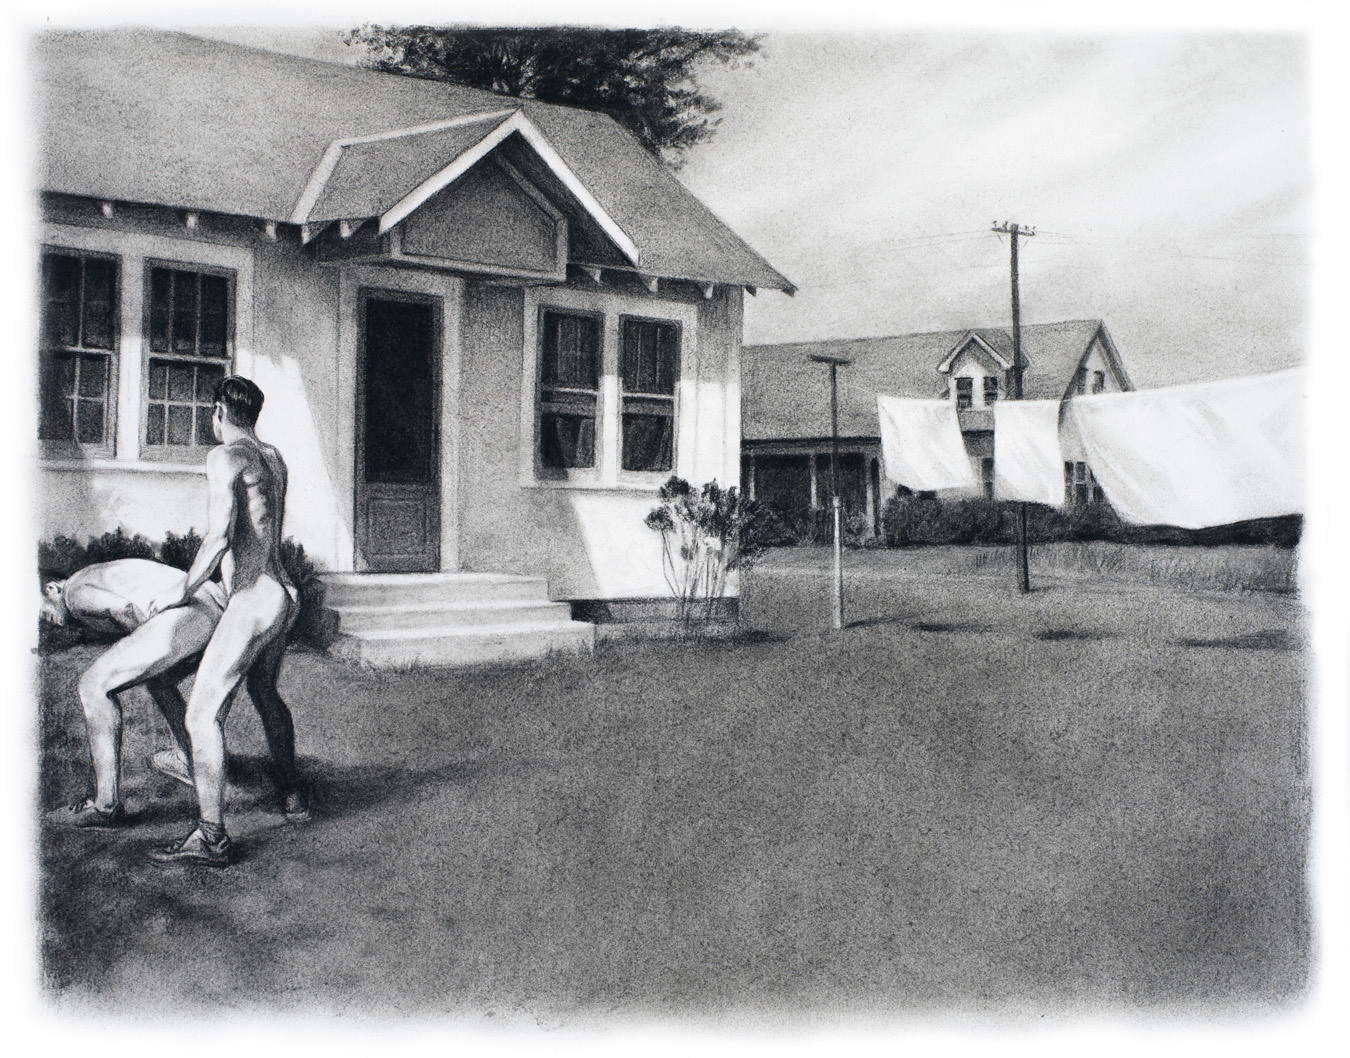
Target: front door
[{"x": 398, "y": 492}]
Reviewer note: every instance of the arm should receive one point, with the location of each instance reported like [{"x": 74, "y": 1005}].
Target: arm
[
  {"x": 89, "y": 602},
  {"x": 222, "y": 476}
]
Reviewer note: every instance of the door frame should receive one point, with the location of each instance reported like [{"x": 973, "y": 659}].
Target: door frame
[{"x": 365, "y": 292}]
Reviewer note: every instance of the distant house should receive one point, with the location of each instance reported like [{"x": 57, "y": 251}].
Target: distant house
[
  {"x": 785, "y": 402},
  {"x": 487, "y": 328}
]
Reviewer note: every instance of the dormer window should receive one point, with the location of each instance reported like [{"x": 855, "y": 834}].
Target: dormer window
[
  {"x": 990, "y": 389},
  {"x": 1080, "y": 380},
  {"x": 964, "y": 393},
  {"x": 1099, "y": 382}
]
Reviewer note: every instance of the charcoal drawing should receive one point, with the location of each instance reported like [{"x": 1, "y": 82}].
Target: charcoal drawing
[{"x": 720, "y": 527}]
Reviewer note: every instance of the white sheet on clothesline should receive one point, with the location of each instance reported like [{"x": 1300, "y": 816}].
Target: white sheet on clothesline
[
  {"x": 921, "y": 444},
  {"x": 1199, "y": 455},
  {"x": 1028, "y": 465}
]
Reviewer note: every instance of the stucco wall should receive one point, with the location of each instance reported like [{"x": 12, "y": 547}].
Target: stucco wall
[{"x": 588, "y": 540}]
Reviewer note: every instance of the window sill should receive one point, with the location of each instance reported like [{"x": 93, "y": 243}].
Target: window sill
[
  {"x": 138, "y": 466},
  {"x": 623, "y": 485}
]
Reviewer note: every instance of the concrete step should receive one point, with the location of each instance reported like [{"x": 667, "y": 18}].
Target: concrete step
[
  {"x": 408, "y": 589},
  {"x": 431, "y": 617},
  {"x": 482, "y": 645}
]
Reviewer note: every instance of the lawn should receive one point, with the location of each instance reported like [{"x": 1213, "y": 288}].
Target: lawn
[{"x": 1093, "y": 797}]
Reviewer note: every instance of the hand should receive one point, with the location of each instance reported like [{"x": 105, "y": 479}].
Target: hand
[{"x": 167, "y": 600}]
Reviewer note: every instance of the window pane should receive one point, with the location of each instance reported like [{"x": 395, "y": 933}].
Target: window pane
[
  {"x": 207, "y": 377},
  {"x": 90, "y": 426},
  {"x": 566, "y": 440},
  {"x": 61, "y": 293},
  {"x": 180, "y": 425},
  {"x": 98, "y": 303},
  {"x": 204, "y": 435},
  {"x": 649, "y": 363},
  {"x": 215, "y": 292},
  {"x": 160, "y": 306},
  {"x": 571, "y": 355},
  {"x": 185, "y": 312},
  {"x": 647, "y": 442},
  {"x": 55, "y": 423},
  {"x": 182, "y": 383},
  {"x": 154, "y": 426},
  {"x": 93, "y": 376},
  {"x": 159, "y": 380}
]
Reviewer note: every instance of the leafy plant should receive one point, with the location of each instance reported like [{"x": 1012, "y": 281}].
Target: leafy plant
[{"x": 705, "y": 535}]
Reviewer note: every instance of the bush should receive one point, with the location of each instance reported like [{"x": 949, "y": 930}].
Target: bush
[
  {"x": 64, "y": 556},
  {"x": 923, "y": 520}
]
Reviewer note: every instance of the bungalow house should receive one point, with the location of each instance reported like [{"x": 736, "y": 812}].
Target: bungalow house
[
  {"x": 785, "y": 405},
  {"x": 487, "y": 328}
]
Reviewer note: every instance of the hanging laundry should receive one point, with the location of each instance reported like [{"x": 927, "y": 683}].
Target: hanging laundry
[
  {"x": 1198, "y": 455},
  {"x": 921, "y": 444},
  {"x": 1027, "y": 463}
]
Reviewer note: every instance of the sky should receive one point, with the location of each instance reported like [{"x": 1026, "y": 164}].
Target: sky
[{"x": 1167, "y": 177}]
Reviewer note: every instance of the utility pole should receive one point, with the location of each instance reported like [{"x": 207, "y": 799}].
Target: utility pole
[
  {"x": 835, "y": 363},
  {"x": 1015, "y": 392}
]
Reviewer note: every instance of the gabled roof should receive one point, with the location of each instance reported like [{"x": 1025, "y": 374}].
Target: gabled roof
[
  {"x": 785, "y": 396},
  {"x": 169, "y": 119}
]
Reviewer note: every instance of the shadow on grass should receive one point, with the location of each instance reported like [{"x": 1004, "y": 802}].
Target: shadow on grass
[
  {"x": 1264, "y": 640},
  {"x": 1052, "y": 635}
]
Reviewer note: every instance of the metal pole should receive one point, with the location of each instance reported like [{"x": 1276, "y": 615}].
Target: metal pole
[{"x": 834, "y": 499}]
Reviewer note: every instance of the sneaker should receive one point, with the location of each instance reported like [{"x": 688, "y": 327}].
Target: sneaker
[
  {"x": 88, "y": 816},
  {"x": 168, "y": 762},
  {"x": 195, "y": 848},
  {"x": 296, "y": 805}
]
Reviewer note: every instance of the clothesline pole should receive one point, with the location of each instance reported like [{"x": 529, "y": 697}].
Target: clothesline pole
[
  {"x": 835, "y": 363},
  {"x": 1015, "y": 393}
]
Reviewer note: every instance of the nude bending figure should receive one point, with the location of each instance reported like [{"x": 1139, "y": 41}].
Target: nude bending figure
[
  {"x": 246, "y": 490},
  {"x": 115, "y": 597}
]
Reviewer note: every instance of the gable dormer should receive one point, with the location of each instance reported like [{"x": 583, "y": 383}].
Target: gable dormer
[
  {"x": 1099, "y": 369},
  {"x": 976, "y": 372}
]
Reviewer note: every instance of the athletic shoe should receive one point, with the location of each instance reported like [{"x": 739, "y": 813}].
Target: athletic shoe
[
  {"x": 195, "y": 848},
  {"x": 168, "y": 762},
  {"x": 89, "y": 816},
  {"x": 296, "y": 805}
]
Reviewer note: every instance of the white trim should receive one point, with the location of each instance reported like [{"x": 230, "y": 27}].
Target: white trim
[
  {"x": 650, "y": 282},
  {"x": 122, "y": 466},
  {"x": 108, "y": 209},
  {"x": 318, "y": 179},
  {"x": 960, "y": 347},
  {"x": 518, "y": 122},
  {"x": 133, "y": 249},
  {"x": 347, "y": 228},
  {"x": 270, "y": 230},
  {"x": 708, "y": 290}
]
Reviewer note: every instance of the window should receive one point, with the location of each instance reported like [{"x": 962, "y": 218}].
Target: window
[
  {"x": 1080, "y": 380},
  {"x": 1099, "y": 382},
  {"x": 964, "y": 393},
  {"x": 987, "y": 477},
  {"x": 569, "y": 390},
  {"x": 78, "y": 350},
  {"x": 990, "y": 389},
  {"x": 189, "y": 332},
  {"x": 1080, "y": 487},
  {"x": 649, "y": 367}
]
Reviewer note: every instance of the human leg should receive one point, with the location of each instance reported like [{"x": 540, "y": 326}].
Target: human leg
[
  {"x": 254, "y": 617},
  {"x": 279, "y": 727},
  {"x": 147, "y": 652}
]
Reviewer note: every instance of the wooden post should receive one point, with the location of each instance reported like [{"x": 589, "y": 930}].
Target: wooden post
[
  {"x": 838, "y": 608},
  {"x": 1015, "y": 388}
]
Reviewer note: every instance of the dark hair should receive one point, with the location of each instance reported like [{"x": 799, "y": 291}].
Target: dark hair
[{"x": 242, "y": 399}]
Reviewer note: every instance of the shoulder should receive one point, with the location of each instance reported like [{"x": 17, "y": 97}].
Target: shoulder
[{"x": 226, "y": 460}]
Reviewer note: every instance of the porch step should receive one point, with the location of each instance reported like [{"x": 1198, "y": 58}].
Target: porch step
[
  {"x": 428, "y": 617},
  {"x": 407, "y": 589},
  {"x": 485, "y": 644},
  {"x": 405, "y": 620}
]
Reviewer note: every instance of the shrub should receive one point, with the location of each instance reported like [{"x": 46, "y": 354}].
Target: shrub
[
  {"x": 704, "y": 536},
  {"x": 64, "y": 556}
]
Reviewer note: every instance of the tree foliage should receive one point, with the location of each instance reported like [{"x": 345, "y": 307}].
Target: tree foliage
[{"x": 643, "y": 78}]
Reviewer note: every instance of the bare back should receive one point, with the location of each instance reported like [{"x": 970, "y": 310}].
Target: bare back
[{"x": 258, "y": 478}]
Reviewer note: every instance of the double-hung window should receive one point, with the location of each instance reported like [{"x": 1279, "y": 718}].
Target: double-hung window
[
  {"x": 190, "y": 336},
  {"x": 79, "y": 351},
  {"x": 649, "y": 370},
  {"x": 1080, "y": 485},
  {"x": 1099, "y": 382},
  {"x": 569, "y": 390},
  {"x": 990, "y": 389},
  {"x": 964, "y": 393}
]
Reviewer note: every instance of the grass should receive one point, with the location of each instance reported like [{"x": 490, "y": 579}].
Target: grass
[{"x": 1082, "y": 799}]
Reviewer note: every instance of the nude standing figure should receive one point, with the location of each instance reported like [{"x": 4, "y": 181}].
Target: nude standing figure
[{"x": 246, "y": 486}]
